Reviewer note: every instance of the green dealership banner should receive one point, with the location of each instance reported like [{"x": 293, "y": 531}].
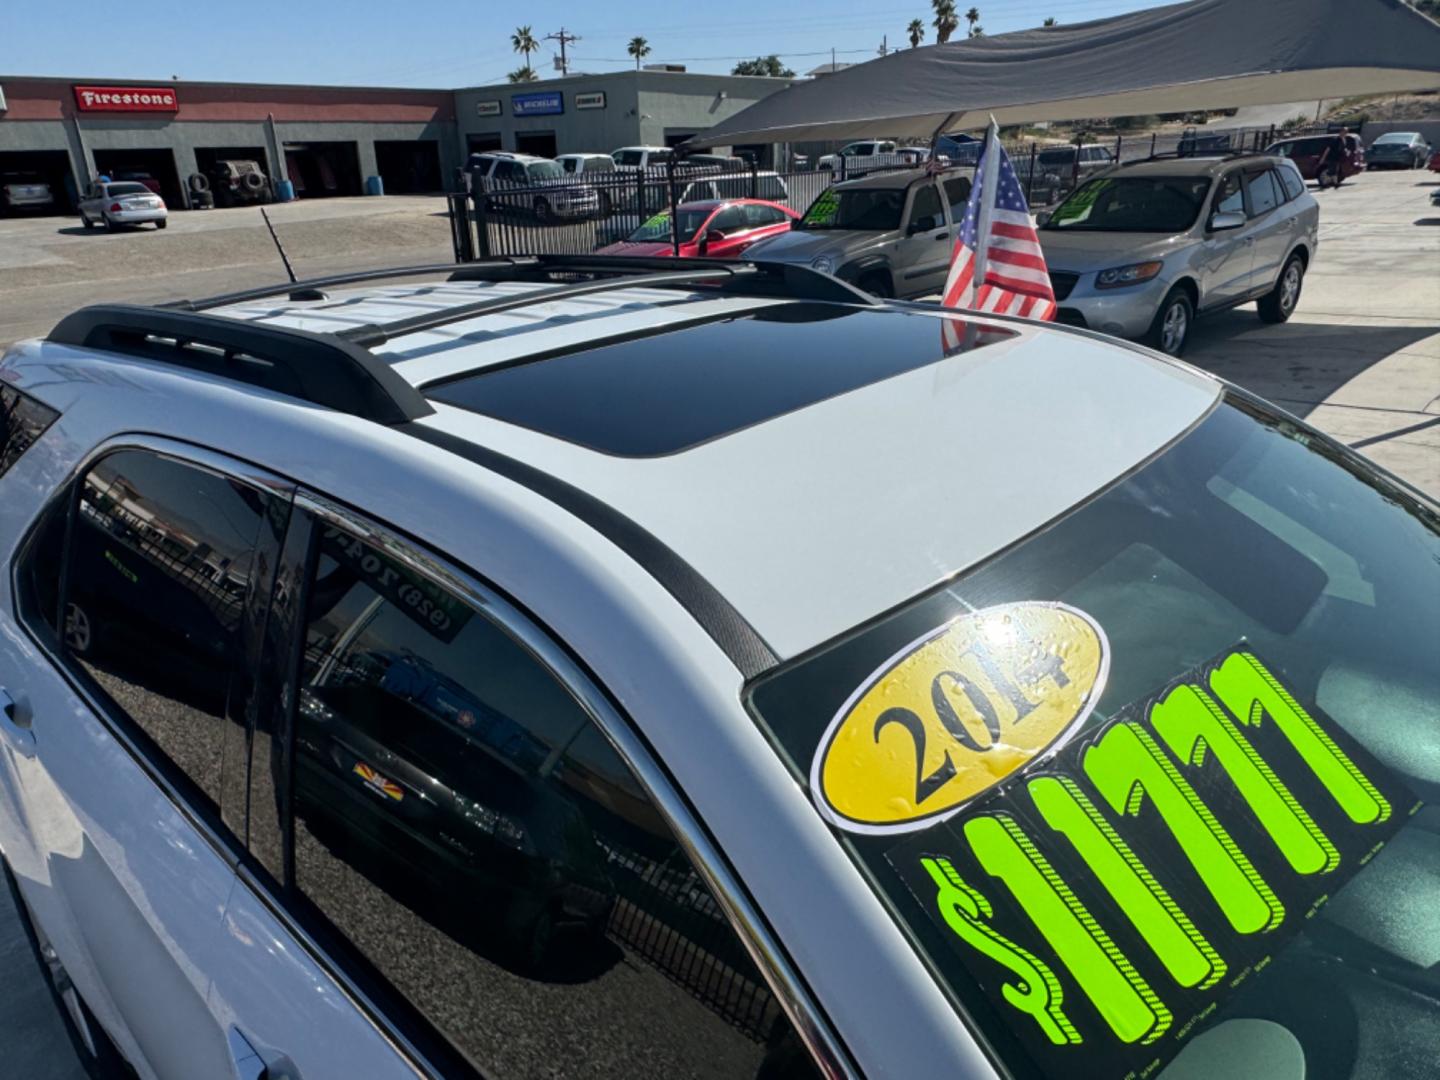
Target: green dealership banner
[{"x": 1110, "y": 900}]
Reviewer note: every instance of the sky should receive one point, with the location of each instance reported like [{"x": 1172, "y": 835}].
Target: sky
[{"x": 447, "y": 43}]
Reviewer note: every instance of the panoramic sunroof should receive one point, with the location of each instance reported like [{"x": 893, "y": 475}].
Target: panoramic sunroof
[{"x": 670, "y": 391}]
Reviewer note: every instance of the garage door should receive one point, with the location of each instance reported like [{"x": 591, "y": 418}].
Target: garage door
[{"x": 50, "y": 168}]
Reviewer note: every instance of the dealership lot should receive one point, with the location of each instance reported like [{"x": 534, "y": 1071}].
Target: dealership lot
[{"x": 1360, "y": 359}]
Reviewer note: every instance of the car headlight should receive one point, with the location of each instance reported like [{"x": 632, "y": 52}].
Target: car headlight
[
  {"x": 1120, "y": 276},
  {"x": 825, "y": 264}
]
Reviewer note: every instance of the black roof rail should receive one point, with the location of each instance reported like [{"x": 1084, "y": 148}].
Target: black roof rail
[
  {"x": 1171, "y": 155},
  {"x": 298, "y": 290},
  {"x": 319, "y": 368}
]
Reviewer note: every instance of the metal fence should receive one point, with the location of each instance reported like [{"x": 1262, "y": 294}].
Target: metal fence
[{"x": 585, "y": 213}]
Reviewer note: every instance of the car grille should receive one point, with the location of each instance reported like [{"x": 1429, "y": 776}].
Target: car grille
[
  {"x": 1062, "y": 282},
  {"x": 1070, "y": 317}
]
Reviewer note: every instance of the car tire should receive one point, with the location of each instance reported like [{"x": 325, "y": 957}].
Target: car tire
[
  {"x": 110, "y": 226},
  {"x": 543, "y": 213},
  {"x": 96, "y": 1052},
  {"x": 1170, "y": 330},
  {"x": 877, "y": 284},
  {"x": 199, "y": 182},
  {"x": 86, "y": 221},
  {"x": 1279, "y": 303},
  {"x": 162, "y": 223},
  {"x": 82, "y": 632}
]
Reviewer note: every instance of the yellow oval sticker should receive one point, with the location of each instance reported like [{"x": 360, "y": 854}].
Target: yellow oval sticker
[{"x": 956, "y": 712}]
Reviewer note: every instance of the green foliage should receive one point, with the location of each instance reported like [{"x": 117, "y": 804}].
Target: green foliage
[
  {"x": 946, "y": 21},
  {"x": 523, "y": 74},
  {"x": 763, "y": 65},
  {"x": 916, "y": 32}
]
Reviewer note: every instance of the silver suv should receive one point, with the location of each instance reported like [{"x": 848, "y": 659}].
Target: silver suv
[
  {"x": 1142, "y": 249},
  {"x": 890, "y": 234}
]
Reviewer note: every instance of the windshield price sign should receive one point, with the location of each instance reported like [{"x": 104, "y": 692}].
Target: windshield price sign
[{"x": 1109, "y": 897}]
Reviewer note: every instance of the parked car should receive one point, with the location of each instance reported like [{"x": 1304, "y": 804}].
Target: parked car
[
  {"x": 858, "y": 158},
  {"x": 24, "y": 191},
  {"x": 241, "y": 182},
  {"x": 520, "y": 182},
  {"x": 1435, "y": 161},
  {"x": 754, "y": 643},
  {"x": 140, "y": 178},
  {"x": 1398, "y": 150},
  {"x": 890, "y": 234},
  {"x": 641, "y": 157},
  {"x": 716, "y": 229},
  {"x": 1308, "y": 153},
  {"x": 1144, "y": 249},
  {"x": 586, "y": 165},
  {"x": 115, "y": 203}
]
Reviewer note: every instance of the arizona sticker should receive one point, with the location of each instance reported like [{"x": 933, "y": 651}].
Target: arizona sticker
[
  {"x": 379, "y": 784},
  {"x": 957, "y": 711}
]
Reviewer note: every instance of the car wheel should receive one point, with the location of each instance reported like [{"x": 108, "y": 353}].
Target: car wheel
[
  {"x": 162, "y": 223},
  {"x": 1170, "y": 329},
  {"x": 86, "y": 221},
  {"x": 110, "y": 226},
  {"x": 97, "y": 1054},
  {"x": 878, "y": 285},
  {"x": 542, "y": 211},
  {"x": 1279, "y": 303},
  {"x": 82, "y": 634}
]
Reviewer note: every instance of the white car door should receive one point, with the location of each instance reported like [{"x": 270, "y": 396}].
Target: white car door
[
  {"x": 923, "y": 254},
  {"x": 1227, "y": 256},
  {"x": 121, "y": 709}
]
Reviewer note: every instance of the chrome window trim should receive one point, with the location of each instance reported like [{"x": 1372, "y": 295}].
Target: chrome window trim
[
  {"x": 185, "y": 454},
  {"x": 780, "y": 976}
]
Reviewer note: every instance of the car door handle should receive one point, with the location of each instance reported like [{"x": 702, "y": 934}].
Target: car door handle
[
  {"x": 942, "y": 236},
  {"x": 15, "y": 723},
  {"x": 252, "y": 1064}
]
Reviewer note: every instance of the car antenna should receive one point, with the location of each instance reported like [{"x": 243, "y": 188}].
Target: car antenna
[{"x": 288, "y": 268}]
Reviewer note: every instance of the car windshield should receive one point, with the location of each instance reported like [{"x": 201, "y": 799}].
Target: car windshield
[
  {"x": 127, "y": 189},
  {"x": 544, "y": 170},
  {"x": 1160, "y": 770},
  {"x": 657, "y": 229},
  {"x": 1403, "y": 137},
  {"x": 876, "y": 209},
  {"x": 1166, "y": 204}
]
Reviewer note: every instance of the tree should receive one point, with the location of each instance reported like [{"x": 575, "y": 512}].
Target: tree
[
  {"x": 977, "y": 31},
  {"x": 972, "y": 17},
  {"x": 524, "y": 42},
  {"x": 945, "y": 20},
  {"x": 523, "y": 74},
  {"x": 639, "y": 48},
  {"x": 916, "y": 30},
  {"x": 1050, "y": 21},
  {"x": 764, "y": 65}
]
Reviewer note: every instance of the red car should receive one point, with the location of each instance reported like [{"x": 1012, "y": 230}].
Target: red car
[
  {"x": 1307, "y": 151},
  {"x": 713, "y": 229},
  {"x": 1435, "y": 161}
]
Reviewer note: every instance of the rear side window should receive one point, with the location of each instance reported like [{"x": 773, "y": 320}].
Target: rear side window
[
  {"x": 957, "y": 193},
  {"x": 1290, "y": 180},
  {"x": 161, "y": 560},
  {"x": 464, "y": 824},
  {"x": 22, "y": 421},
  {"x": 1264, "y": 194}
]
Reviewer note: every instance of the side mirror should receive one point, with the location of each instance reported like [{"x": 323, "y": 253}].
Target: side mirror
[
  {"x": 1042, "y": 217},
  {"x": 1227, "y": 219},
  {"x": 796, "y": 223},
  {"x": 711, "y": 236}
]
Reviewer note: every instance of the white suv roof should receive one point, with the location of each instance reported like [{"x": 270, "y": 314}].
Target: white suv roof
[{"x": 881, "y": 463}]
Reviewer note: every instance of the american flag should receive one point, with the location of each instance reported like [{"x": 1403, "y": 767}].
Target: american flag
[{"x": 1014, "y": 278}]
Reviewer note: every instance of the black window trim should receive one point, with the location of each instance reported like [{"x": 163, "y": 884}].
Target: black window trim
[
  {"x": 410, "y": 1033},
  {"x": 177, "y": 788}
]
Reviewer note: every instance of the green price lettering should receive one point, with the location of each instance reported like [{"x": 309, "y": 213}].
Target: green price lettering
[
  {"x": 1119, "y": 993},
  {"x": 1125, "y": 766},
  {"x": 1194, "y": 727},
  {"x": 1252, "y": 693},
  {"x": 1036, "y": 991},
  {"x": 1168, "y": 931}
]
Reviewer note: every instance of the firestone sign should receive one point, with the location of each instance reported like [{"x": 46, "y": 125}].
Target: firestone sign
[{"x": 126, "y": 99}]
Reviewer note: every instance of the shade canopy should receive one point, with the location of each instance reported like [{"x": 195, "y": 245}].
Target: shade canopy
[{"x": 1203, "y": 54}]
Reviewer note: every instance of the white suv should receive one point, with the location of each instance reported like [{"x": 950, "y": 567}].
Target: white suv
[
  {"x": 656, "y": 668},
  {"x": 642, "y": 157},
  {"x": 537, "y": 185}
]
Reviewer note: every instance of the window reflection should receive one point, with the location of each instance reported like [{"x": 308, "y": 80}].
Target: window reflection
[
  {"x": 463, "y": 823},
  {"x": 161, "y": 558}
]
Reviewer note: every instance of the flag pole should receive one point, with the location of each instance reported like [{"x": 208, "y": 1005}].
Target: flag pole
[{"x": 989, "y": 178}]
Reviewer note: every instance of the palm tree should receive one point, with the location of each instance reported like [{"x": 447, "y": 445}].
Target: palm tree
[
  {"x": 972, "y": 17},
  {"x": 945, "y": 20},
  {"x": 1050, "y": 21},
  {"x": 523, "y": 74},
  {"x": 524, "y": 42},
  {"x": 916, "y": 30},
  {"x": 639, "y": 48}
]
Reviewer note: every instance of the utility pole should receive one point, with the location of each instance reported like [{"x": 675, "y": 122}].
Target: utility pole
[
  {"x": 564, "y": 39},
  {"x": 883, "y": 50}
]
